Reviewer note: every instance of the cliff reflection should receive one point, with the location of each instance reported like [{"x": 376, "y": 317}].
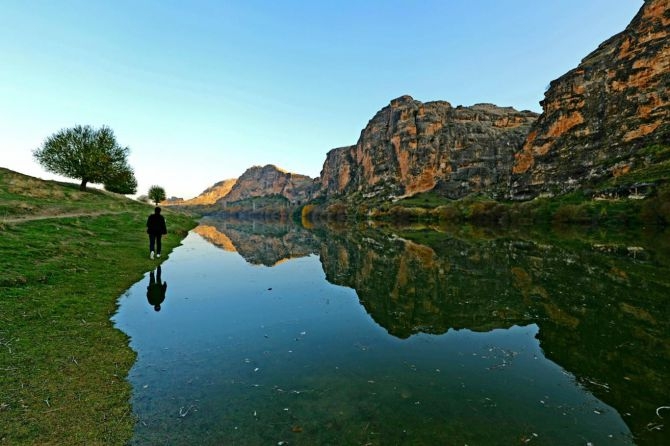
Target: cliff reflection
[
  {"x": 602, "y": 308},
  {"x": 410, "y": 288},
  {"x": 259, "y": 242}
]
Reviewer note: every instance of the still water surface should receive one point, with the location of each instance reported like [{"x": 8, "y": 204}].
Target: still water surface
[{"x": 271, "y": 333}]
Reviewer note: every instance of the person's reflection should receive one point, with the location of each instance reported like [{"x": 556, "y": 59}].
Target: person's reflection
[{"x": 156, "y": 289}]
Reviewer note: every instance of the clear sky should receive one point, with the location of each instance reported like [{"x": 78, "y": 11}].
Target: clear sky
[{"x": 202, "y": 90}]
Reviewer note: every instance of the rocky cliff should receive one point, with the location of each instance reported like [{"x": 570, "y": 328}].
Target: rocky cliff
[
  {"x": 209, "y": 196},
  {"x": 268, "y": 180},
  {"x": 410, "y": 147},
  {"x": 336, "y": 172},
  {"x": 597, "y": 116},
  {"x": 595, "y": 121}
]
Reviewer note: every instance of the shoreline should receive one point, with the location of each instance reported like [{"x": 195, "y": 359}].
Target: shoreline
[{"x": 65, "y": 364}]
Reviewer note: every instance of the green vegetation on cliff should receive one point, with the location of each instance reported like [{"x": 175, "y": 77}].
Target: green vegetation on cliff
[{"x": 65, "y": 258}]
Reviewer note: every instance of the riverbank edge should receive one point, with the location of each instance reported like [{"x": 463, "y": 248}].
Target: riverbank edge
[{"x": 65, "y": 363}]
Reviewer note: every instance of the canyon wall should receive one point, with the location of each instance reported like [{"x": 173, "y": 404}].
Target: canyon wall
[
  {"x": 410, "y": 147},
  {"x": 596, "y": 120},
  {"x": 597, "y": 116}
]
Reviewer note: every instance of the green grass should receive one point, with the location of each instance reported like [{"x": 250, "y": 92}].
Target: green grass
[
  {"x": 24, "y": 196},
  {"x": 63, "y": 366},
  {"x": 654, "y": 173},
  {"x": 429, "y": 200}
]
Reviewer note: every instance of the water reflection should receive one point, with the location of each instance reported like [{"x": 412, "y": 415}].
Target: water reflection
[
  {"x": 281, "y": 354},
  {"x": 156, "y": 289},
  {"x": 602, "y": 306},
  {"x": 260, "y": 242}
]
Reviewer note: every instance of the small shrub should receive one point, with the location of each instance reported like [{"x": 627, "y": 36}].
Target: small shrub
[
  {"x": 571, "y": 213},
  {"x": 307, "y": 211},
  {"x": 486, "y": 211},
  {"x": 448, "y": 213},
  {"x": 404, "y": 214},
  {"x": 336, "y": 211},
  {"x": 656, "y": 210}
]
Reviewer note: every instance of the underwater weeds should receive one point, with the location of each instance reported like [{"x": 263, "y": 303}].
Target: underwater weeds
[{"x": 63, "y": 364}]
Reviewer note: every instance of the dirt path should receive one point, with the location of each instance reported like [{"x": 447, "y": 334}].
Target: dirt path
[{"x": 27, "y": 218}]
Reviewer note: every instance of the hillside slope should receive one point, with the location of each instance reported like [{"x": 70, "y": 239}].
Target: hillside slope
[
  {"x": 64, "y": 365},
  {"x": 23, "y": 196}
]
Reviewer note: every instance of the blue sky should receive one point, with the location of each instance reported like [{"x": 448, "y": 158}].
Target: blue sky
[{"x": 202, "y": 90}]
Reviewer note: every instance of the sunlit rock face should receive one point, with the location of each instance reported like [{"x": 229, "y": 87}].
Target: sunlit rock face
[
  {"x": 209, "y": 195},
  {"x": 260, "y": 181},
  {"x": 337, "y": 170},
  {"x": 410, "y": 147},
  {"x": 597, "y": 116}
]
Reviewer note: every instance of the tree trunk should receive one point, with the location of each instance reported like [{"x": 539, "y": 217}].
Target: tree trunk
[{"x": 82, "y": 186}]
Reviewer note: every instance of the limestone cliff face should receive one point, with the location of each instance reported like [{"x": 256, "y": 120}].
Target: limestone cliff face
[
  {"x": 598, "y": 115},
  {"x": 260, "y": 181},
  {"x": 410, "y": 147},
  {"x": 337, "y": 170}
]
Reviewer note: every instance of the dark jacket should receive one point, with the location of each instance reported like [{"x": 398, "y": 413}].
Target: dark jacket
[
  {"x": 156, "y": 292},
  {"x": 156, "y": 225}
]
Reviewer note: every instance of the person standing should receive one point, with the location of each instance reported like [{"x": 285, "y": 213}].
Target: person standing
[{"x": 156, "y": 228}]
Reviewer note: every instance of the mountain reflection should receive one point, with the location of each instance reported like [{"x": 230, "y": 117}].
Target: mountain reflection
[
  {"x": 409, "y": 288},
  {"x": 259, "y": 242},
  {"x": 602, "y": 308}
]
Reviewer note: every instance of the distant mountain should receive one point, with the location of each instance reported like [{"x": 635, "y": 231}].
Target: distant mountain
[
  {"x": 208, "y": 196},
  {"x": 270, "y": 180},
  {"x": 256, "y": 181}
]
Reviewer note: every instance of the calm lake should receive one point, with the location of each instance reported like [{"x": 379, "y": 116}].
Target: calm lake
[{"x": 273, "y": 334}]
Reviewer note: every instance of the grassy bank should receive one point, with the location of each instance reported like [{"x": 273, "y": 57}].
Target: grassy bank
[
  {"x": 63, "y": 366},
  {"x": 576, "y": 208}
]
